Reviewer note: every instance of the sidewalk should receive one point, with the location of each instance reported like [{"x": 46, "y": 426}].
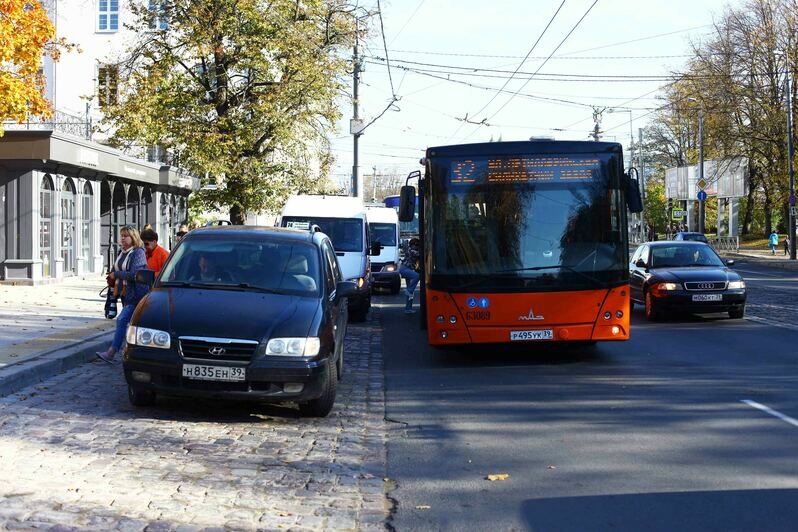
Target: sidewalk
[
  {"x": 47, "y": 329},
  {"x": 763, "y": 256}
]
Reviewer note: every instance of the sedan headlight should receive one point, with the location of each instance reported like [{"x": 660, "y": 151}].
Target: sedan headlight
[
  {"x": 736, "y": 285},
  {"x": 359, "y": 281},
  {"x": 148, "y": 337},
  {"x": 294, "y": 347},
  {"x": 668, "y": 287}
]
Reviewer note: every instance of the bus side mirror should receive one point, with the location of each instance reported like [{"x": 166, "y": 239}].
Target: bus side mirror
[
  {"x": 407, "y": 204},
  {"x": 633, "y": 200}
]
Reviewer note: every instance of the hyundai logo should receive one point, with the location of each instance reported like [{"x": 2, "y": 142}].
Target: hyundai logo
[
  {"x": 217, "y": 351},
  {"x": 706, "y": 286}
]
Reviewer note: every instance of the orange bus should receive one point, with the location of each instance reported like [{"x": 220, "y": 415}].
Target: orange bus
[{"x": 524, "y": 241}]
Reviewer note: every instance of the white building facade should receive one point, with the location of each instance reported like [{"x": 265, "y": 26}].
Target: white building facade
[{"x": 64, "y": 193}]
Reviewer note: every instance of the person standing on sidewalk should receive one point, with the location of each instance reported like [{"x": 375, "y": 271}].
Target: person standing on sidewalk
[
  {"x": 773, "y": 242},
  {"x": 131, "y": 259},
  {"x": 156, "y": 255},
  {"x": 407, "y": 269}
]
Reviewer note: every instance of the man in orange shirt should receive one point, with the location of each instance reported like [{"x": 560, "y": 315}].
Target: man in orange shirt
[{"x": 156, "y": 255}]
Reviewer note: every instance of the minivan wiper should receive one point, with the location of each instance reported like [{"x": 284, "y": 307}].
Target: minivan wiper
[
  {"x": 257, "y": 288},
  {"x": 552, "y": 267}
]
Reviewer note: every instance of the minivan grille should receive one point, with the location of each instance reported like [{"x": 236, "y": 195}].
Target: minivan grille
[{"x": 218, "y": 349}]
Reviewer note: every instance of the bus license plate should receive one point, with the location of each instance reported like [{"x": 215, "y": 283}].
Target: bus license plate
[
  {"x": 213, "y": 373},
  {"x": 542, "y": 334},
  {"x": 707, "y": 297}
]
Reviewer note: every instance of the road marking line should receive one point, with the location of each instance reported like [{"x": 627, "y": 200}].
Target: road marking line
[
  {"x": 768, "y": 410},
  {"x": 772, "y": 323}
]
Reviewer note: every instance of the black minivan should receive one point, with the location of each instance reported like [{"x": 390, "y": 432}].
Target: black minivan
[{"x": 242, "y": 312}]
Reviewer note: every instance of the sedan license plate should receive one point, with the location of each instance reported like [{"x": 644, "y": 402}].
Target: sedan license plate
[
  {"x": 707, "y": 297},
  {"x": 213, "y": 373},
  {"x": 541, "y": 334}
]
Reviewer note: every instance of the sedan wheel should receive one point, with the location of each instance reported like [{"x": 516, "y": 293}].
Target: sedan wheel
[
  {"x": 651, "y": 311},
  {"x": 140, "y": 397},
  {"x": 737, "y": 313},
  {"x": 323, "y": 405}
]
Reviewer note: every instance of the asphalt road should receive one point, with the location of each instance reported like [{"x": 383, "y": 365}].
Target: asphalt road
[{"x": 668, "y": 431}]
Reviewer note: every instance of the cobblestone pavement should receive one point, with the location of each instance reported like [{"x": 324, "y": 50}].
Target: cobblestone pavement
[
  {"x": 75, "y": 455},
  {"x": 772, "y": 296}
]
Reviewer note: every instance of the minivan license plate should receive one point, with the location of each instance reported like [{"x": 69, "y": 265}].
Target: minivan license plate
[
  {"x": 213, "y": 373},
  {"x": 707, "y": 297},
  {"x": 541, "y": 334}
]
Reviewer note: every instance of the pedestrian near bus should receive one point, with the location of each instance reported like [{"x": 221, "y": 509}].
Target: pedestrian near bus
[
  {"x": 156, "y": 255},
  {"x": 131, "y": 259},
  {"x": 773, "y": 242},
  {"x": 407, "y": 269}
]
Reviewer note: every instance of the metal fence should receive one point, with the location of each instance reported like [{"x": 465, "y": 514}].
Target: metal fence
[
  {"x": 726, "y": 243},
  {"x": 79, "y": 126}
]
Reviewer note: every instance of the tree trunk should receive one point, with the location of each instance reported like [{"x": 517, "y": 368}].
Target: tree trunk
[
  {"x": 237, "y": 215},
  {"x": 748, "y": 217},
  {"x": 768, "y": 214}
]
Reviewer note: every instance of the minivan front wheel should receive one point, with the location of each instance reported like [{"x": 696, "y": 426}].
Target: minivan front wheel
[
  {"x": 140, "y": 397},
  {"x": 323, "y": 405}
]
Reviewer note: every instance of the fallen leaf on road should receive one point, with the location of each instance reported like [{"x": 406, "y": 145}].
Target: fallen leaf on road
[
  {"x": 423, "y": 507},
  {"x": 498, "y": 476},
  {"x": 552, "y": 467}
]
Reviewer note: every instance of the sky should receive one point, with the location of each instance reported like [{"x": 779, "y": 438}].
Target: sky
[{"x": 449, "y": 59}]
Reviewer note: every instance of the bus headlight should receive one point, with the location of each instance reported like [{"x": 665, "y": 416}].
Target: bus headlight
[{"x": 147, "y": 337}]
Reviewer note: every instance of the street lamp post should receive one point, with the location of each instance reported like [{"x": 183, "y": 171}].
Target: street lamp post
[{"x": 790, "y": 156}]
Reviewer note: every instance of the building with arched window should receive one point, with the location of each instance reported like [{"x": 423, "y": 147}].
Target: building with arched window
[{"x": 63, "y": 200}]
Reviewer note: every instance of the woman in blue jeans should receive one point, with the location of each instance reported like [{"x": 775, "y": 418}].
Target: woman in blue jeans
[{"x": 131, "y": 259}]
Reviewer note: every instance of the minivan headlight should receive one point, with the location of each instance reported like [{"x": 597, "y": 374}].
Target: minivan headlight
[
  {"x": 736, "y": 285},
  {"x": 294, "y": 347},
  {"x": 147, "y": 337},
  {"x": 390, "y": 267},
  {"x": 359, "y": 281}
]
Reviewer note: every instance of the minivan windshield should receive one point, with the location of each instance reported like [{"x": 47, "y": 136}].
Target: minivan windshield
[
  {"x": 346, "y": 234},
  {"x": 224, "y": 261},
  {"x": 384, "y": 233}
]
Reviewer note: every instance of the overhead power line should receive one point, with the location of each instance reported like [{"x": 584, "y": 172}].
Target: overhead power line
[{"x": 554, "y": 58}]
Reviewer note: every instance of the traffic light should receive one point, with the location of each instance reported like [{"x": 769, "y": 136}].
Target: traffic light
[{"x": 670, "y": 204}]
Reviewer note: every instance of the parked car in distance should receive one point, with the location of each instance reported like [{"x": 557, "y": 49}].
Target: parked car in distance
[
  {"x": 691, "y": 236},
  {"x": 246, "y": 313},
  {"x": 670, "y": 276}
]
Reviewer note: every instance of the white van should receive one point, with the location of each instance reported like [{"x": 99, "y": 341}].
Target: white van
[
  {"x": 384, "y": 229},
  {"x": 343, "y": 219}
]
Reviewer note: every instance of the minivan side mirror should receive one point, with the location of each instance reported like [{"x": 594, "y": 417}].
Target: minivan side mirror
[
  {"x": 345, "y": 289},
  {"x": 145, "y": 277},
  {"x": 375, "y": 249},
  {"x": 640, "y": 263},
  {"x": 407, "y": 203}
]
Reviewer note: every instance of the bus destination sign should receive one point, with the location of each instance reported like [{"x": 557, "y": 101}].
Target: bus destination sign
[{"x": 524, "y": 169}]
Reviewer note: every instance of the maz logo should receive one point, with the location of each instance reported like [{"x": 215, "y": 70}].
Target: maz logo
[{"x": 530, "y": 317}]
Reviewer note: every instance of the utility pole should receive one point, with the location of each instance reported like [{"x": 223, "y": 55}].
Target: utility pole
[
  {"x": 790, "y": 156},
  {"x": 374, "y": 185},
  {"x": 642, "y": 177},
  {"x": 354, "y": 127},
  {"x": 597, "y": 123},
  {"x": 701, "y": 203}
]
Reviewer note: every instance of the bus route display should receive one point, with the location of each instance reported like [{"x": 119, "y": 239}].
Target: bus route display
[{"x": 523, "y": 169}]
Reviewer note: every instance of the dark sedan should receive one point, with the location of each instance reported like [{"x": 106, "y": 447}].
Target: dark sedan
[
  {"x": 245, "y": 313},
  {"x": 685, "y": 276}
]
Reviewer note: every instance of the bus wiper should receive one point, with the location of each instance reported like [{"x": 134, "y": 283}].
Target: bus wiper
[{"x": 552, "y": 267}]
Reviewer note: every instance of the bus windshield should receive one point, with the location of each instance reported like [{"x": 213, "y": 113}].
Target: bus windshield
[{"x": 527, "y": 223}]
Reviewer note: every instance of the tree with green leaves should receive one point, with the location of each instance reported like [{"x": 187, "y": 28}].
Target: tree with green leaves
[{"x": 242, "y": 90}]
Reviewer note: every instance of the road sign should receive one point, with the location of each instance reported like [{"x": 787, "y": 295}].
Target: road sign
[
  {"x": 677, "y": 214},
  {"x": 702, "y": 184},
  {"x": 792, "y": 211},
  {"x": 792, "y": 199},
  {"x": 702, "y": 195}
]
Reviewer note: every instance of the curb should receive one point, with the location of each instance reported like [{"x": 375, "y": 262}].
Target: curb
[
  {"x": 15, "y": 377},
  {"x": 783, "y": 264}
]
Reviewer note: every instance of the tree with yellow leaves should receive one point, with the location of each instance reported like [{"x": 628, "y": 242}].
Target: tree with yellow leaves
[{"x": 26, "y": 34}]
